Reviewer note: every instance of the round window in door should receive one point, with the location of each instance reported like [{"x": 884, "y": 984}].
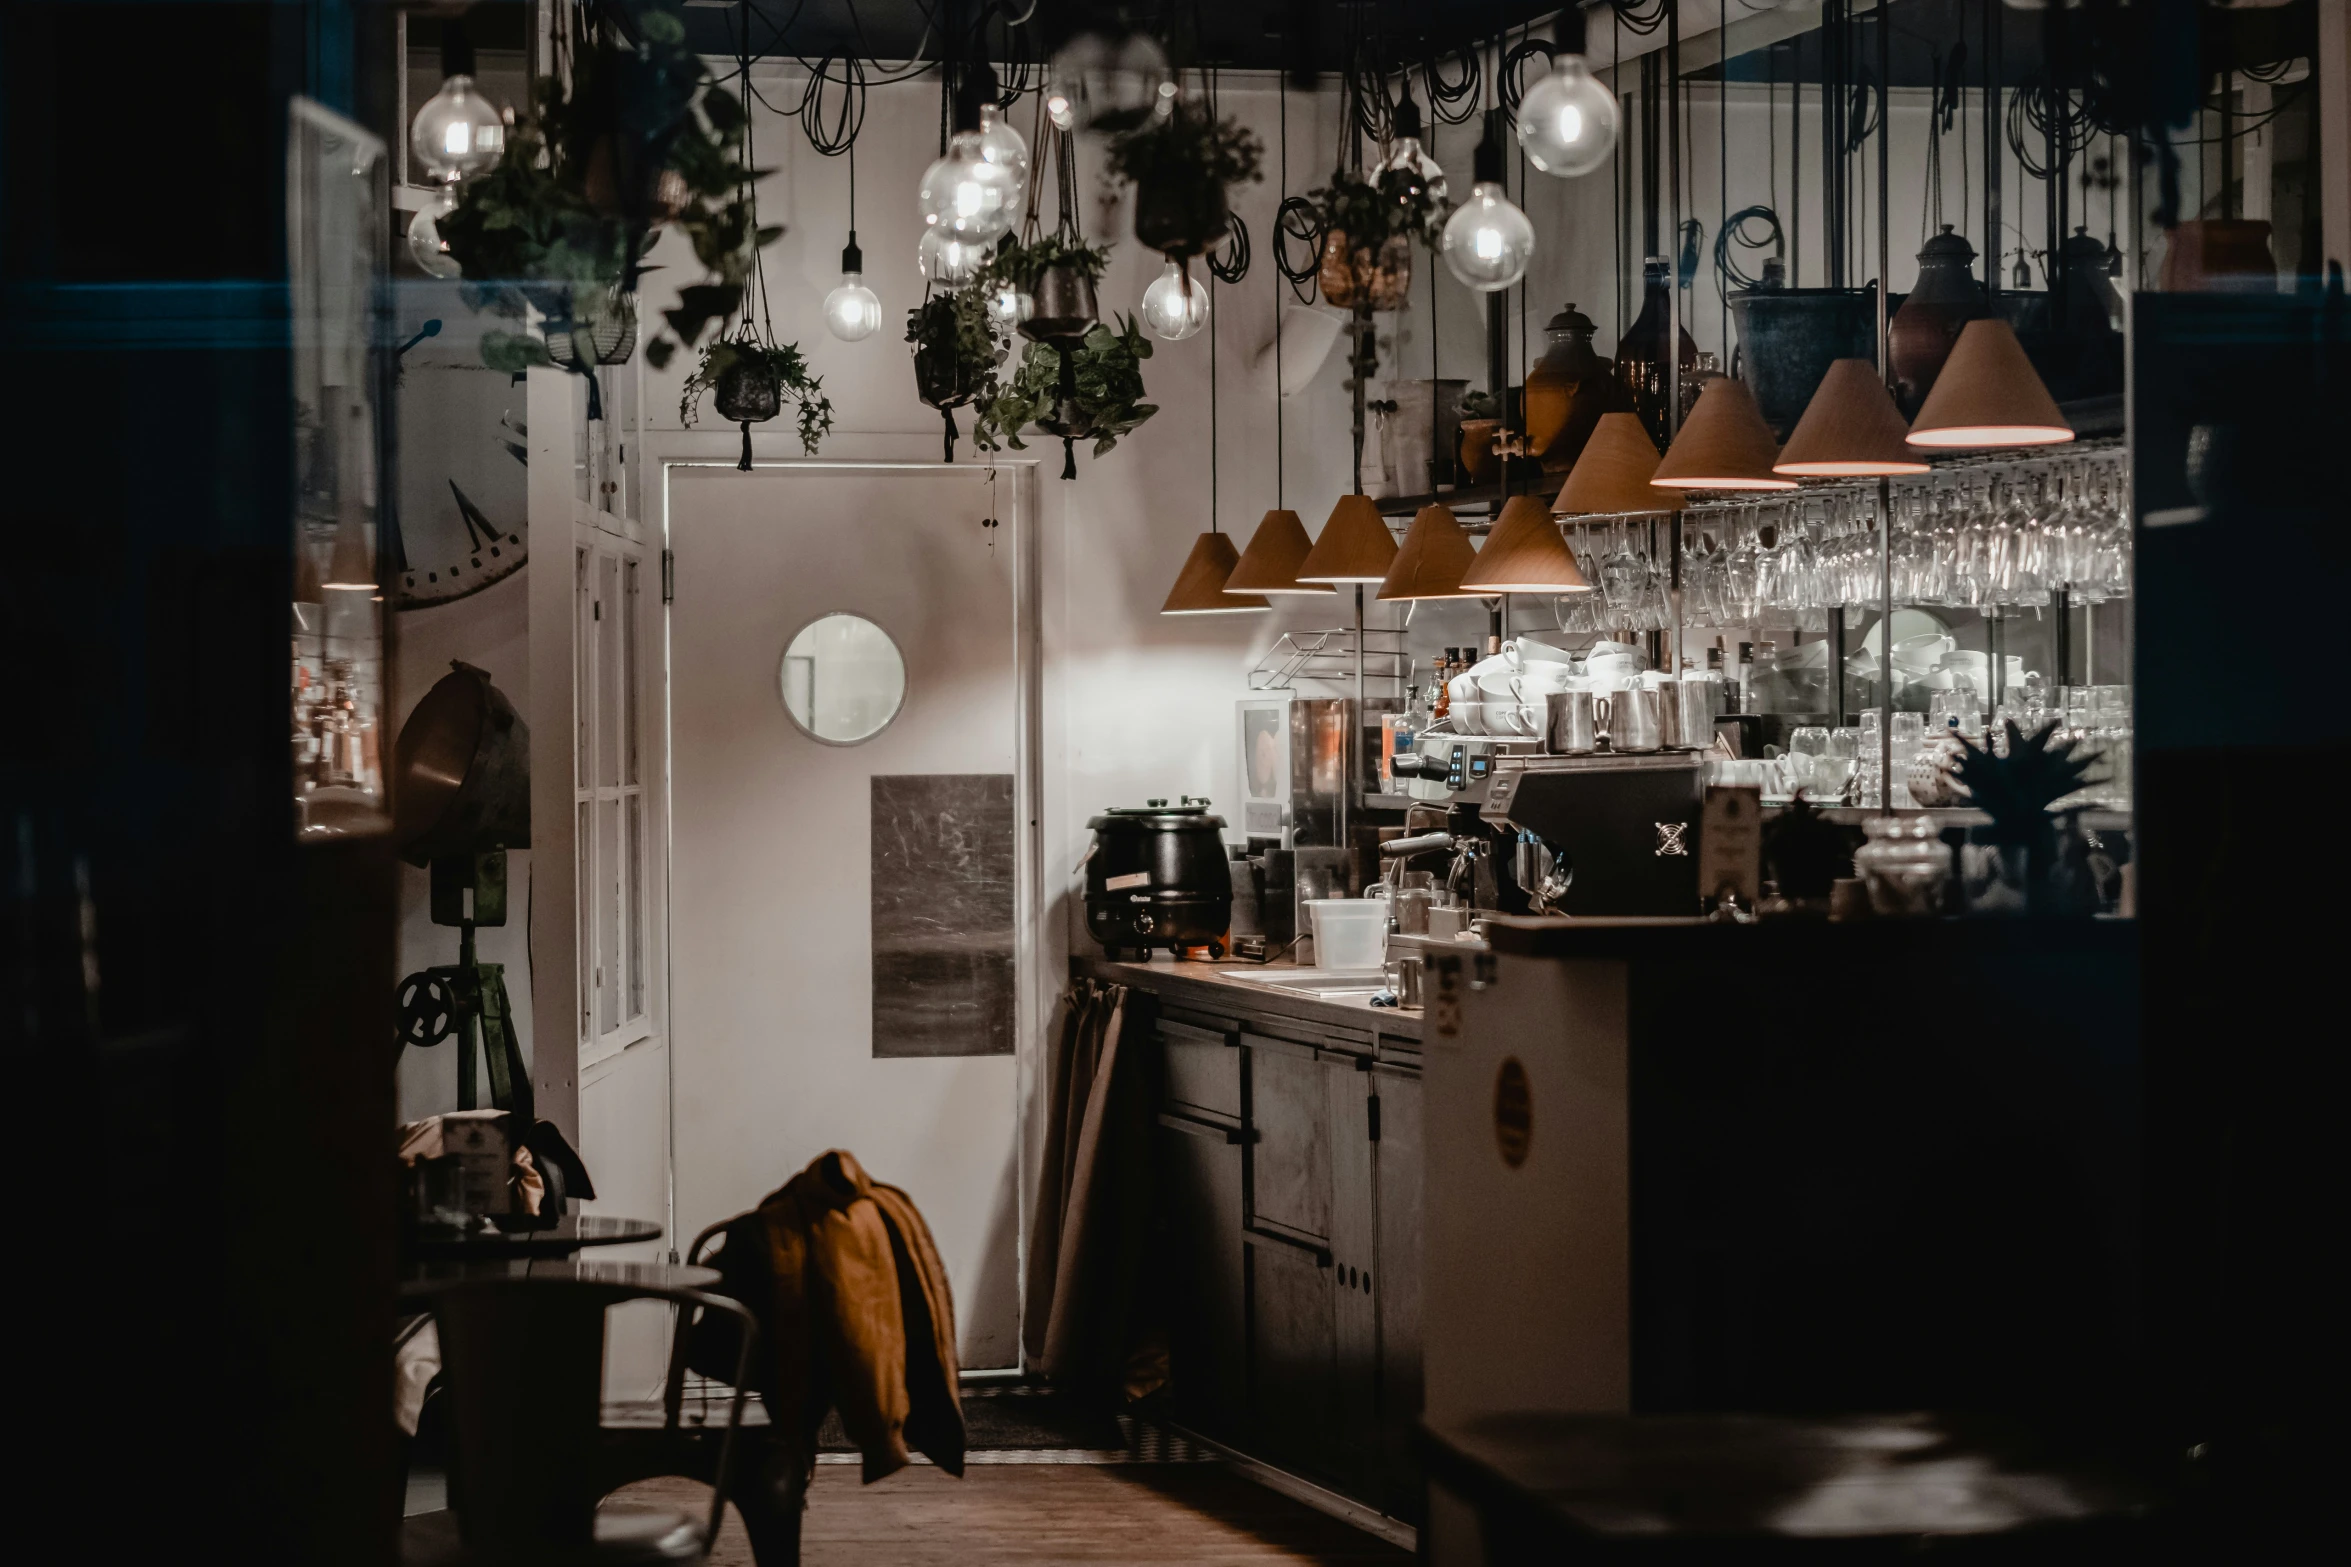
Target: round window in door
[{"x": 843, "y": 679}]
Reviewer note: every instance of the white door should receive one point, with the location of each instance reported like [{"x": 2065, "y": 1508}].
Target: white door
[{"x": 851, "y": 866}]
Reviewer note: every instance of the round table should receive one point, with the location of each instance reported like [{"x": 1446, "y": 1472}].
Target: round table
[{"x": 563, "y": 1238}]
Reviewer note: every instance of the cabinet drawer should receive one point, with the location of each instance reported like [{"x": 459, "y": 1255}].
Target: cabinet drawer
[
  {"x": 1203, "y": 1069},
  {"x": 1290, "y": 1137}
]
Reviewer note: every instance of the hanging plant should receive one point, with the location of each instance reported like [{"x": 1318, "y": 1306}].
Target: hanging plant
[
  {"x": 1093, "y": 391},
  {"x": 1058, "y": 273},
  {"x": 1181, "y": 168},
  {"x": 1368, "y": 230},
  {"x": 748, "y": 382},
  {"x": 635, "y": 139},
  {"x": 955, "y": 353}
]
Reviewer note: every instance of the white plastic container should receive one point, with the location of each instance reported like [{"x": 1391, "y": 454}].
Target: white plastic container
[{"x": 1349, "y": 933}]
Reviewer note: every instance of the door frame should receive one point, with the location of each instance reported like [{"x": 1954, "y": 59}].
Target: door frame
[{"x": 669, "y": 452}]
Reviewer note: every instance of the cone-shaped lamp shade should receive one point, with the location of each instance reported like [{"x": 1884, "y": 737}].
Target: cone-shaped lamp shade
[
  {"x": 352, "y": 567},
  {"x": 1199, "y": 587},
  {"x": 1723, "y": 445},
  {"x": 1270, "y": 564},
  {"x": 1525, "y": 554},
  {"x": 1850, "y": 429},
  {"x": 1355, "y": 545},
  {"x": 1989, "y": 395},
  {"x": 307, "y": 588},
  {"x": 1612, "y": 473},
  {"x": 1429, "y": 564}
]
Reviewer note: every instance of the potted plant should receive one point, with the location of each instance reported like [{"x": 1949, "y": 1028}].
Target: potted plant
[
  {"x": 1480, "y": 420},
  {"x": 2027, "y": 861},
  {"x": 637, "y": 137},
  {"x": 955, "y": 355},
  {"x": 1058, "y": 273},
  {"x": 1180, "y": 167},
  {"x": 1092, "y": 390},
  {"x": 1368, "y": 229},
  {"x": 748, "y": 380}
]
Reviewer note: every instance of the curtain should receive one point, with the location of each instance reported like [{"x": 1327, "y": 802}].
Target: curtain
[{"x": 1086, "y": 1232}]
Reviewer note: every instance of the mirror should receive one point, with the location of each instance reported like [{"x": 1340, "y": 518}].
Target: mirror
[{"x": 843, "y": 679}]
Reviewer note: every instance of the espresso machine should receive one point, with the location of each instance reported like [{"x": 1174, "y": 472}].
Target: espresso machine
[{"x": 1605, "y": 834}]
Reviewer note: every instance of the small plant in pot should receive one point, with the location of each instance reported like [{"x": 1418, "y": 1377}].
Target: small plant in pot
[
  {"x": 1181, "y": 168},
  {"x": 955, "y": 354},
  {"x": 748, "y": 380},
  {"x": 2028, "y": 860},
  {"x": 1089, "y": 390},
  {"x": 1059, "y": 274},
  {"x": 1368, "y": 229}
]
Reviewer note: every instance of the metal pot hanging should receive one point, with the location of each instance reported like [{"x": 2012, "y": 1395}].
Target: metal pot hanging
[
  {"x": 1066, "y": 309},
  {"x": 747, "y": 392},
  {"x": 1945, "y": 298}
]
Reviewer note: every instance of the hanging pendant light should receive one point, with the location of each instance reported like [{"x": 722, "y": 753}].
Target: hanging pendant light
[
  {"x": 459, "y": 131},
  {"x": 1355, "y": 545},
  {"x": 968, "y": 194},
  {"x": 1276, "y": 550},
  {"x": 1850, "y": 429},
  {"x": 1611, "y": 475},
  {"x": 1989, "y": 395},
  {"x": 851, "y": 312},
  {"x": 1201, "y": 588},
  {"x": 1723, "y": 445},
  {"x": 1488, "y": 241},
  {"x": 352, "y": 566},
  {"x": 1175, "y": 307},
  {"x": 1429, "y": 564},
  {"x": 1567, "y": 121},
  {"x": 1525, "y": 553}
]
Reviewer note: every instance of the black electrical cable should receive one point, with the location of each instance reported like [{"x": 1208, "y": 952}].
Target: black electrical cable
[{"x": 1749, "y": 228}]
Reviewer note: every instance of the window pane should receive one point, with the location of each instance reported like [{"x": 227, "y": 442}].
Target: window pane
[
  {"x": 628, "y": 684},
  {"x": 584, "y": 936},
  {"x": 633, "y": 936},
  {"x": 611, "y": 674},
  {"x": 608, "y": 914},
  {"x": 583, "y": 647}
]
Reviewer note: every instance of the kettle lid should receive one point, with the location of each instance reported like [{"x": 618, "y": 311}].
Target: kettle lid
[
  {"x": 1571, "y": 319},
  {"x": 1947, "y": 249}
]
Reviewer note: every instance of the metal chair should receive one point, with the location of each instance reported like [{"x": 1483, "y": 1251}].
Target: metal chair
[{"x": 530, "y": 1457}]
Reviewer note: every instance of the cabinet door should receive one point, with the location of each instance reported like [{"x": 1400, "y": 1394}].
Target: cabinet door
[
  {"x": 1290, "y": 1352},
  {"x": 1290, "y": 1140},
  {"x": 1355, "y": 1271},
  {"x": 1396, "y": 1162},
  {"x": 1203, "y": 1272}
]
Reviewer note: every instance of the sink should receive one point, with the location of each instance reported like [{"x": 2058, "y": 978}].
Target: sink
[{"x": 1328, "y": 985}]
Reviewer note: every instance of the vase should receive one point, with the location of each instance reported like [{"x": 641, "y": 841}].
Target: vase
[
  {"x": 1946, "y": 297},
  {"x": 1352, "y": 274},
  {"x": 1905, "y": 864},
  {"x": 1180, "y": 218},
  {"x": 1647, "y": 348},
  {"x": 1567, "y": 390},
  {"x": 1477, "y": 448},
  {"x": 1065, "y": 306}
]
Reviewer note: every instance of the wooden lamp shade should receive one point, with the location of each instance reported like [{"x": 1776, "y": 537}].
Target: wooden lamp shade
[
  {"x": 1276, "y": 550},
  {"x": 1199, "y": 587},
  {"x": 1355, "y": 545},
  {"x": 1525, "y": 554},
  {"x": 1850, "y": 429},
  {"x": 1723, "y": 445},
  {"x": 1435, "y": 552},
  {"x": 1612, "y": 473},
  {"x": 1989, "y": 394}
]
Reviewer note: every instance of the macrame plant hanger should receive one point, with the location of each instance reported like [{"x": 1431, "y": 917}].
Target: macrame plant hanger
[{"x": 1065, "y": 184}]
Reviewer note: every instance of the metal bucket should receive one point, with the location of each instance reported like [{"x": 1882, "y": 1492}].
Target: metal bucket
[{"x": 1789, "y": 336}]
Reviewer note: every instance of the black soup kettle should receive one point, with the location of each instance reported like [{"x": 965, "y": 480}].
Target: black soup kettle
[{"x": 1157, "y": 876}]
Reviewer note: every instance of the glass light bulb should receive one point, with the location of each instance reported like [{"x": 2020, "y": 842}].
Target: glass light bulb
[
  {"x": 851, "y": 310},
  {"x": 1097, "y": 84},
  {"x": 947, "y": 260},
  {"x": 968, "y": 196},
  {"x": 458, "y": 132},
  {"x": 1488, "y": 241},
  {"x": 1009, "y": 306},
  {"x": 1567, "y": 121},
  {"x": 1000, "y": 144},
  {"x": 424, "y": 235},
  {"x": 1175, "y": 307},
  {"x": 1407, "y": 154}
]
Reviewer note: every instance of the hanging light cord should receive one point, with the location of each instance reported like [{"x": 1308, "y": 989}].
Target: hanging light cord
[{"x": 1281, "y": 265}]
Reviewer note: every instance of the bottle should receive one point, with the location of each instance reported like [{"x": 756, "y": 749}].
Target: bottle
[
  {"x": 1746, "y": 677},
  {"x": 1760, "y": 667},
  {"x": 1440, "y": 704},
  {"x": 1726, "y": 692}
]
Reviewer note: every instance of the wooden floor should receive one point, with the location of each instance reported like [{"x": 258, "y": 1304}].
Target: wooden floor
[{"x": 1048, "y": 1515}]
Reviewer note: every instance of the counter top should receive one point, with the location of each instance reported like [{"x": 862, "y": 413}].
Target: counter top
[
  {"x": 1220, "y": 988},
  {"x": 1808, "y": 942}
]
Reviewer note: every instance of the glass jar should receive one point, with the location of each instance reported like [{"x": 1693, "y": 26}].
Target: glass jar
[{"x": 1906, "y": 866}]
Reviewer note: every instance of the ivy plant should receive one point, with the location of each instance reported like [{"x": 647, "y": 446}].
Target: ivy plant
[
  {"x": 1022, "y": 265},
  {"x": 784, "y": 361},
  {"x": 1370, "y": 212},
  {"x": 1104, "y": 401}
]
